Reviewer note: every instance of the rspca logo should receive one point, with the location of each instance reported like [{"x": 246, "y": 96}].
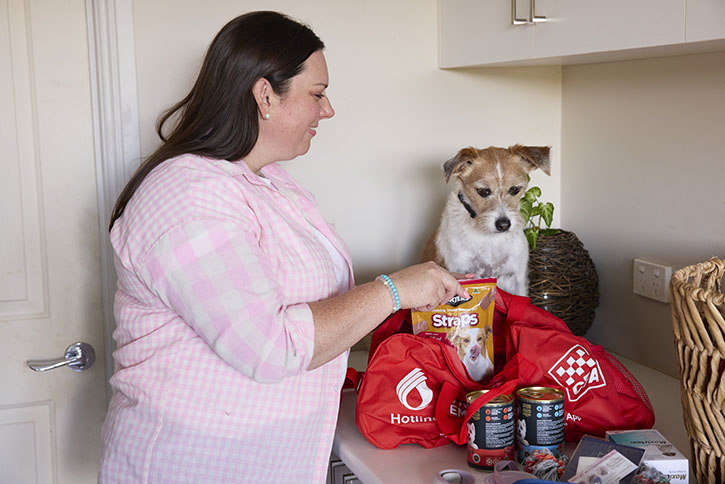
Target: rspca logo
[
  {"x": 577, "y": 372},
  {"x": 414, "y": 384}
]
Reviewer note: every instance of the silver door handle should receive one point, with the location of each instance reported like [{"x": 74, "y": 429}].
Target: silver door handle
[
  {"x": 515, "y": 20},
  {"x": 78, "y": 356},
  {"x": 532, "y": 12}
]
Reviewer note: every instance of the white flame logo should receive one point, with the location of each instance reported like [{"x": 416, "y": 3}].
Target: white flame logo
[{"x": 414, "y": 380}]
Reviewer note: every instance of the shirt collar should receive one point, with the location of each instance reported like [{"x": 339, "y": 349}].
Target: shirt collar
[{"x": 239, "y": 168}]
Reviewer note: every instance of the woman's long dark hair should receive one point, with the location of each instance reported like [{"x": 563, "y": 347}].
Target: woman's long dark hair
[{"x": 218, "y": 118}]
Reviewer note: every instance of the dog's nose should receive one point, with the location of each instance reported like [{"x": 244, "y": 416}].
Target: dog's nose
[{"x": 503, "y": 224}]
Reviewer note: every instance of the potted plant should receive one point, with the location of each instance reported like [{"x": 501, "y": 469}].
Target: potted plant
[{"x": 562, "y": 277}]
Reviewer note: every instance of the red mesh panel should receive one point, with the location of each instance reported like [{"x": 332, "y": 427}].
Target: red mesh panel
[{"x": 624, "y": 381}]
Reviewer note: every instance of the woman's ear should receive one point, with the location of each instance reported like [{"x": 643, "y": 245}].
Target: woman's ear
[{"x": 263, "y": 92}]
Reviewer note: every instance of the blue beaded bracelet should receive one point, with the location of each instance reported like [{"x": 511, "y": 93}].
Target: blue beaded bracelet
[{"x": 385, "y": 279}]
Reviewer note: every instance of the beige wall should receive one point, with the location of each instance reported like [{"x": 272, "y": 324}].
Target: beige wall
[
  {"x": 376, "y": 166},
  {"x": 642, "y": 176}
]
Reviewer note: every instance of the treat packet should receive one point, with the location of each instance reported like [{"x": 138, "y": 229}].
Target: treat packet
[{"x": 465, "y": 324}]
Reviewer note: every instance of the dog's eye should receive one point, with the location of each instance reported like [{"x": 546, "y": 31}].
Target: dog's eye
[
  {"x": 484, "y": 192},
  {"x": 514, "y": 190}
]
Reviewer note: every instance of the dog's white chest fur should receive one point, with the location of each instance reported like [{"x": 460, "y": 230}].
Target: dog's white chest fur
[{"x": 465, "y": 248}]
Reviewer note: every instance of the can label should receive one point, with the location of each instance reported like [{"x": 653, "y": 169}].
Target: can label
[
  {"x": 491, "y": 431},
  {"x": 540, "y": 421}
]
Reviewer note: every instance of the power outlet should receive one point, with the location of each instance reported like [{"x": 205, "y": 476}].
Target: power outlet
[{"x": 652, "y": 280}]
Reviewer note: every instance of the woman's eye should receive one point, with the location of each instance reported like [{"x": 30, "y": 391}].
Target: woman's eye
[
  {"x": 484, "y": 192},
  {"x": 514, "y": 190}
]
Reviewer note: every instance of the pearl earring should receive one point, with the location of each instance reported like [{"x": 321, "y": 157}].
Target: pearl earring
[{"x": 266, "y": 115}]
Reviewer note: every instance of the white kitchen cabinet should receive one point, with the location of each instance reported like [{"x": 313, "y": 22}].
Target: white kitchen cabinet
[
  {"x": 705, "y": 20},
  {"x": 585, "y": 26},
  {"x": 473, "y": 32},
  {"x": 481, "y": 32}
]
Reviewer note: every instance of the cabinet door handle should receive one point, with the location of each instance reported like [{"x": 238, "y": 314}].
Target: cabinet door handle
[
  {"x": 532, "y": 12},
  {"x": 514, "y": 19}
]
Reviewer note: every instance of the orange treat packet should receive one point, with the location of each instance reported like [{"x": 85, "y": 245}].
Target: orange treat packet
[{"x": 465, "y": 324}]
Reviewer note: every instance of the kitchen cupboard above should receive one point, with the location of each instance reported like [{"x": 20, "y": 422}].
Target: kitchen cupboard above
[{"x": 559, "y": 32}]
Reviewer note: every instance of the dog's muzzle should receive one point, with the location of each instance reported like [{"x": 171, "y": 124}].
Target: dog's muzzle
[{"x": 503, "y": 224}]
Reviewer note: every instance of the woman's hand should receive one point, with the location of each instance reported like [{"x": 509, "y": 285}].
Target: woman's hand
[
  {"x": 425, "y": 286},
  {"x": 343, "y": 320}
]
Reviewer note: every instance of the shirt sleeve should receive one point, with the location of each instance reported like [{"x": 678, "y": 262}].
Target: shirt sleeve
[{"x": 214, "y": 275}]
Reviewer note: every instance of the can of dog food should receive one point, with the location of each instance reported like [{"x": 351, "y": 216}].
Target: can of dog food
[
  {"x": 540, "y": 421},
  {"x": 490, "y": 431}
]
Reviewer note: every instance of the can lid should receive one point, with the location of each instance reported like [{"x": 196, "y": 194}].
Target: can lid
[
  {"x": 470, "y": 397},
  {"x": 502, "y": 399},
  {"x": 497, "y": 400},
  {"x": 540, "y": 394}
]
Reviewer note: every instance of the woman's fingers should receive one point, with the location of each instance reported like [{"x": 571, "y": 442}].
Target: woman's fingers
[
  {"x": 461, "y": 276},
  {"x": 425, "y": 309},
  {"x": 428, "y": 285}
]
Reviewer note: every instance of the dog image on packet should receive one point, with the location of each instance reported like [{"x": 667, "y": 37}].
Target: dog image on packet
[{"x": 465, "y": 324}]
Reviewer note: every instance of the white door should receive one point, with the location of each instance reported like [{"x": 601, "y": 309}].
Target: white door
[{"x": 50, "y": 278}]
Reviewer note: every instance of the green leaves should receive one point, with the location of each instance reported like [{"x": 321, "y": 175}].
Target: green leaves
[
  {"x": 532, "y": 194},
  {"x": 532, "y": 234},
  {"x": 547, "y": 212},
  {"x": 533, "y": 212},
  {"x": 526, "y": 208}
]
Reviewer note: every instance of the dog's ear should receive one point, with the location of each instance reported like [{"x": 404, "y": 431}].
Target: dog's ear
[
  {"x": 534, "y": 157},
  {"x": 463, "y": 159}
]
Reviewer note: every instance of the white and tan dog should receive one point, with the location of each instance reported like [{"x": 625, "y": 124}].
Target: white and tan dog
[
  {"x": 481, "y": 230},
  {"x": 470, "y": 343}
]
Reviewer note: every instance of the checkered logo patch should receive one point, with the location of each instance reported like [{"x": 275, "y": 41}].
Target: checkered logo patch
[{"x": 577, "y": 372}]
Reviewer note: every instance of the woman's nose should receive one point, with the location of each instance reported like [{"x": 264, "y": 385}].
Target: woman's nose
[{"x": 327, "y": 110}]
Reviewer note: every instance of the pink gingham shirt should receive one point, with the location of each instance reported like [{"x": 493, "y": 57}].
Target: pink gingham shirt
[{"x": 215, "y": 266}]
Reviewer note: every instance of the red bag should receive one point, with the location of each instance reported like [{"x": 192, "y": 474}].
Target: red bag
[
  {"x": 399, "y": 399},
  {"x": 600, "y": 393},
  {"x": 414, "y": 388}
]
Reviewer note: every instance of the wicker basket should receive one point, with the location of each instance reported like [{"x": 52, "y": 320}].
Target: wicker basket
[
  {"x": 698, "y": 309},
  {"x": 563, "y": 280}
]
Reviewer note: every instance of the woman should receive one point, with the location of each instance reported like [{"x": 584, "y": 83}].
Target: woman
[{"x": 236, "y": 305}]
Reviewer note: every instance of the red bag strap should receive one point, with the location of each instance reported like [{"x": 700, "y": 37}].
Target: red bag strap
[
  {"x": 448, "y": 426},
  {"x": 505, "y": 389},
  {"x": 451, "y": 391},
  {"x": 387, "y": 328},
  {"x": 518, "y": 307},
  {"x": 353, "y": 379},
  {"x": 454, "y": 429}
]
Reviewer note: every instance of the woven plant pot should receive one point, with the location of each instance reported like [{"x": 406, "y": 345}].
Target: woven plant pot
[
  {"x": 563, "y": 280},
  {"x": 698, "y": 316}
]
